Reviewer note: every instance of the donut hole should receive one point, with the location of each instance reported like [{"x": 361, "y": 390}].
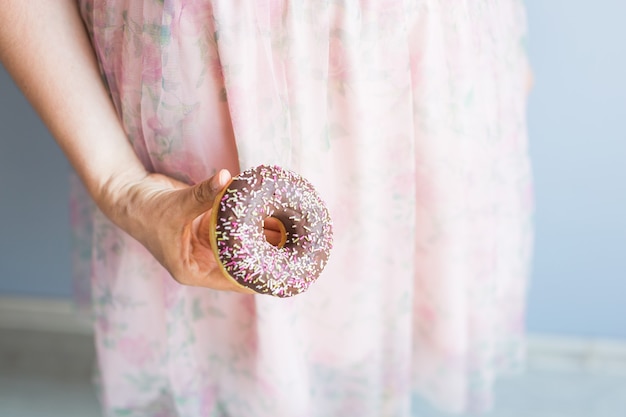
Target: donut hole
[{"x": 275, "y": 231}]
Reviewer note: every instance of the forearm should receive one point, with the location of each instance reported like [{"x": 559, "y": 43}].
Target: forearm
[{"x": 44, "y": 46}]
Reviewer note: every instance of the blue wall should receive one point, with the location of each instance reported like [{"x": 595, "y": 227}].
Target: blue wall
[
  {"x": 34, "y": 219},
  {"x": 577, "y": 119}
]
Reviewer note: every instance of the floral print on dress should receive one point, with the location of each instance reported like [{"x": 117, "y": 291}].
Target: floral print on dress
[{"x": 409, "y": 119}]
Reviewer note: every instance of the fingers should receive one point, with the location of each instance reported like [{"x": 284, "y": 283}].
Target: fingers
[
  {"x": 215, "y": 280},
  {"x": 273, "y": 237},
  {"x": 200, "y": 197},
  {"x": 167, "y": 220},
  {"x": 275, "y": 232},
  {"x": 218, "y": 281}
]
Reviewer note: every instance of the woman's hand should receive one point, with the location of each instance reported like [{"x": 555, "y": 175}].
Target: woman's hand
[
  {"x": 47, "y": 51},
  {"x": 171, "y": 219}
]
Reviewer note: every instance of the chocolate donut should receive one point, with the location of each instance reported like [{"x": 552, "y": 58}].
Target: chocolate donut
[{"x": 239, "y": 242}]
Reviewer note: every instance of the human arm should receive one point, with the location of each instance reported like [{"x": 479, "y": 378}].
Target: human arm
[{"x": 47, "y": 51}]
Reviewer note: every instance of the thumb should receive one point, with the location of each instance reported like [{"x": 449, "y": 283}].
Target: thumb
[{"x": 200, "y": 197}]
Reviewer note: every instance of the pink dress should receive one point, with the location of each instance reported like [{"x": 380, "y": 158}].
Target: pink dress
[{"x": 408, "y": 117}]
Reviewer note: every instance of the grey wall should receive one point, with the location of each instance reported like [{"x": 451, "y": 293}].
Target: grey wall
[
  {"x": 34, "y": 221},
  {"x": 578, "y": 144}
]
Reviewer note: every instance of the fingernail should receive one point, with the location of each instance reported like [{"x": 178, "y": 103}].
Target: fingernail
[{"x": 223, "y": 177}]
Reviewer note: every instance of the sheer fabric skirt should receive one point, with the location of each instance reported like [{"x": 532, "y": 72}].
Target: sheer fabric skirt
[{"x": 408, "y": 117}]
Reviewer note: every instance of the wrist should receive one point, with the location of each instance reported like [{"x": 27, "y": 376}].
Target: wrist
[{"x": 117, "y": 196}]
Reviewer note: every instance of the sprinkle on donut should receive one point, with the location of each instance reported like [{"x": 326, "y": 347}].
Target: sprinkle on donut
[{"x": 239, "y": 240}]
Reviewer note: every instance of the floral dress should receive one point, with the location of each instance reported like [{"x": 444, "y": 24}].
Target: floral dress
[{"x": 408, "y": 117}]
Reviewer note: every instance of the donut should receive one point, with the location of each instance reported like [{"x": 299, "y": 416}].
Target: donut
[{"x": 270, "y": 197}]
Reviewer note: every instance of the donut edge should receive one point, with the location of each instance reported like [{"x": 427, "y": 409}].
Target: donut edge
[{"x": 213, "y": 238}]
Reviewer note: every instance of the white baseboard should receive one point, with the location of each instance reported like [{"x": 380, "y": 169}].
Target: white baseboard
[
  {"x": 42, "y": 314},
  {"x": 545, "y": 352},
  {"x": 595, "y": 355}
]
